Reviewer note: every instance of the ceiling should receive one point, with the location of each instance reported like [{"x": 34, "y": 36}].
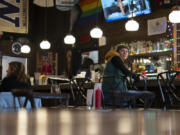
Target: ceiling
[{"x": 57, "y": 23}]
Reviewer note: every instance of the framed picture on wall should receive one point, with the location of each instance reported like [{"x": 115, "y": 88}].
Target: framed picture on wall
[{"x": 47, "y": 63}]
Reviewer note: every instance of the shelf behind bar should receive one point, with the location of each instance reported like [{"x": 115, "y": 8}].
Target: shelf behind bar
[{"x": 145, "y": 55}]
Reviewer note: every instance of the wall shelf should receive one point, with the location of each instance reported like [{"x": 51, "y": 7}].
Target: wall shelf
[{"x": 154, "y": 54}]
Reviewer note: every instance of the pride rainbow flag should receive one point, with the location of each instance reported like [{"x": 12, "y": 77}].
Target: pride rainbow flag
[{"x": 89, "y": 7}]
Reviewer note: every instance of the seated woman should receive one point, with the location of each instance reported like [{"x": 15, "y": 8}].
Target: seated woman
[
  {"x": 87, "y": 67},
  {"x": 16, "y": 77}
]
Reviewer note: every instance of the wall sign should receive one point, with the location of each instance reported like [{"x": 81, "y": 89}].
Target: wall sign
[
  {"x": 16, "y": 48},
  {"x": 14, "y": 16}
]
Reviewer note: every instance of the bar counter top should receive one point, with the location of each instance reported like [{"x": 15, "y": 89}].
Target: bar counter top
[{"x": 93, "y": 122}]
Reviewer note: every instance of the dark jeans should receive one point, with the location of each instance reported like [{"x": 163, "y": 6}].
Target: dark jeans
[{"x": 127, "y": 98}]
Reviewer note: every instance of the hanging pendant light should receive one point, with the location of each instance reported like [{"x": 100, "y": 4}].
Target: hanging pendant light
[
  {"x": 69, "y": 39},
  {"x": 96, "y": 32},
  {"x": 132, "y": 25},
  {"x": 45, "y": 44},
  {"x": 25, "y": 49},
  {"x": 174, "y": 16}
]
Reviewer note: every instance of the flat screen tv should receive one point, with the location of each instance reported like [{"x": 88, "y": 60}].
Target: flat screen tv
[
  {"x": 122, "y": 9},
  {"x": 94, "y": 55}
]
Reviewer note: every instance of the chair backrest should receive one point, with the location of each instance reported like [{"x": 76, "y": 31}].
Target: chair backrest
[
  {"x": 111, "y": 81},
  {"x": 27, "y": 93},
  {"x": 22, "y": 92},
  {"x": 131, "y": 83},
  {"x": 167, "y": 87},
  {"x": 80, "y": 85}
]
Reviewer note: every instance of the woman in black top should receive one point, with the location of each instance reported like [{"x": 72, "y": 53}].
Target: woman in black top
[{"x": 16, "y": 77}]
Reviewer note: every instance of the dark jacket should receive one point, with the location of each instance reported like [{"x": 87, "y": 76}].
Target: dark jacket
[
  {"x": 114, "y": 76},
  {"x": 115, "y": 73},
  {"x": 9, "y": 83}
]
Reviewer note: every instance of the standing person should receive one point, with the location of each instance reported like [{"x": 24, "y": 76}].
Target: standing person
[
  {"x": 16, "y": 77},
  {"x": 119, "y": 4},
  {"x": 116, "y": 71}
]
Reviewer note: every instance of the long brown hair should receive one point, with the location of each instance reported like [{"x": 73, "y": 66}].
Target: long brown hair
[{"x": 17, "y": 69}]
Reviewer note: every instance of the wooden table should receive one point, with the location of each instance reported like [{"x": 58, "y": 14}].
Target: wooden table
[
  {"x": 84, "y": 122},
  {"x": 63, "y": 86},
  {"x": 154, "y": 83}
]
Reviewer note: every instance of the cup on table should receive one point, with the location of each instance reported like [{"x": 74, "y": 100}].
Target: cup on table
[{"x": 32, "y": 81}]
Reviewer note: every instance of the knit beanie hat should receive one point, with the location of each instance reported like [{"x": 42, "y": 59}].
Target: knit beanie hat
[{"x": 121, "y": 46}]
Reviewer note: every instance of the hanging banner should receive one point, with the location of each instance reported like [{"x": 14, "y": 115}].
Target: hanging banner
[
  {"x": 157, "y": 26},
  {"x": 44, "y": 3},
  {"x": 14, "y": 16}
]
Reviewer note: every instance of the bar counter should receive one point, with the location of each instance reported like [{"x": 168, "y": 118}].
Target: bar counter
[{"x": 94, "y": 122}]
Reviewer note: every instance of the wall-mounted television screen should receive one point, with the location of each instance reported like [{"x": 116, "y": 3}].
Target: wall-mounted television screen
[
  {"x": 122, "y": 9},
  {"x": 94, "y": 55}
]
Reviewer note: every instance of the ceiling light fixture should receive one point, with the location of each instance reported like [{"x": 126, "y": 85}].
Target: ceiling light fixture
[
  {"x": 25, "y": 49},
  {"x": 174, "y": 16},
  {"x": 69, "y": 39},
  {"x": 96, "y": 32},
  {"x": 45, "y": 44},
  {"x": 132, "y": 25}
]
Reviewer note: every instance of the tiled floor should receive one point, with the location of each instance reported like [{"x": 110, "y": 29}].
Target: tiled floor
[{"x": 94, "y": 122}]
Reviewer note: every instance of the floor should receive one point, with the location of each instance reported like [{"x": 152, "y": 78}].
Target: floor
[{"x": 90, "y": 122}]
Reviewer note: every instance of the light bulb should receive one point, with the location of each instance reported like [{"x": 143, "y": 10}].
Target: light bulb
[
  {"x": 69, "y": 39},
  {"x": 174, "y": 16},
  {"x": 25, "y": 49},
  {"x": 132, "y": 25},
  {"x": 45, "y": 44},
  {"x": 96, "y": 32}
]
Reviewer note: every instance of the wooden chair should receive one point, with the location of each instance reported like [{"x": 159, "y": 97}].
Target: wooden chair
[
  {"x": 128, "y": 97},
  {"x": 78, "y": 86},
  {"x": 30, "y": 95}
]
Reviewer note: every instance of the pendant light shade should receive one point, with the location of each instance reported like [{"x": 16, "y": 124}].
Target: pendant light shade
[
  {"x": 96, "y": 32},
  {"x": 69, "y": 39},
  {"x": 132, "y": 25},
  {"x": 25, "y": 49},
  {"x": 45, "y": 44},
  {"x": 174, "y": 16}
]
